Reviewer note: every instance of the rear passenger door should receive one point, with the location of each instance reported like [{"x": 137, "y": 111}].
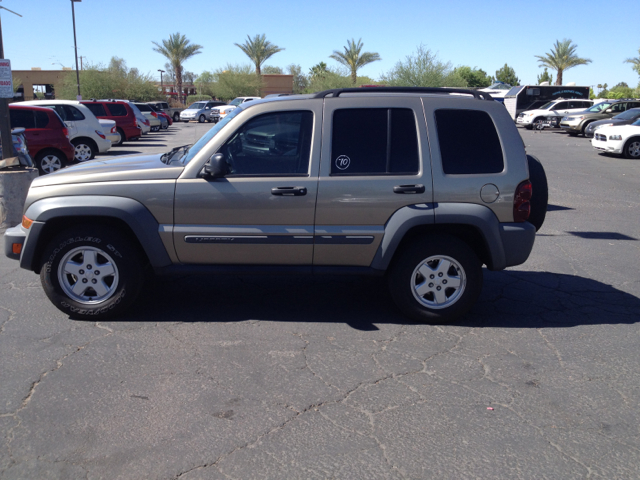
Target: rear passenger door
[{"x": 375, "y": 161}]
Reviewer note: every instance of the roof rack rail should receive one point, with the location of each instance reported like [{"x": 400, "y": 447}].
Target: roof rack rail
[{"x": 336, "y": 92}]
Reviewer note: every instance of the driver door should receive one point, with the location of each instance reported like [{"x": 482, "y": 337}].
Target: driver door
[{"x": 262, "y": 212}]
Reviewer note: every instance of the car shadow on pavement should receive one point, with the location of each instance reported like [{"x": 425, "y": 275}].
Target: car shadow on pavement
[{"x": 510, "y": 299}]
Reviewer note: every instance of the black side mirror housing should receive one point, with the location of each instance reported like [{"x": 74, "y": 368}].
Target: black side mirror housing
[{"x": 217, "y": 166}]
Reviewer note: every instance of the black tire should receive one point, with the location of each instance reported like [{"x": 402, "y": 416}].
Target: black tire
[
  {"x": 186, "y": 121},
  {"x": 176, "y": 117},
  {"x": 632, "y": 148},
  {"x": 433, "y": 254},
  {"x": 540, "y": 192},
  {"x": 123, "y": 137},
  {"x": 107, "y": 293},
  {"x": 155, "y": 129},
  {"x": 49, "y": 161},
  {"x": 85, "y": 149},
  {"x": 584, "y": 129},
  {"x": 573, "y": 134},
  {"x": 202, "y": 118},
  {"x": 537, "y": 123}
]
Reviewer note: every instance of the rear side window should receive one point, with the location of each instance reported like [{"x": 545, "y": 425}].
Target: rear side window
[
  {"x": 143, "y": 107},
  {"x": 42, "y": 119},
  {"x": 117, "y": 110},
  {"x": 68, "y": 113},
  {"x": 374, "y": 141},
  {"x": 22, "y": 118},
  {"x": 97, "y": 109},
  {"x": 469, "y": 142}
]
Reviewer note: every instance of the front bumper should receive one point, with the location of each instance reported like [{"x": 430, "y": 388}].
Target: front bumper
[
  {"x": 14, "y": 239},
  {"x": 570, "y": 127},
  {"x": 524, "y": 120},
  {"x": 608, "y": 146}
]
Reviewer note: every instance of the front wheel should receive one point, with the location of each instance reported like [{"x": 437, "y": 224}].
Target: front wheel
[
  {"x": 435, "y": 279},
  {"x": 91, "y": 272},
  {"x": 176, "y": 117},
  {"x": 201, "y": 119},
  {"x": 632, "y": 148}
]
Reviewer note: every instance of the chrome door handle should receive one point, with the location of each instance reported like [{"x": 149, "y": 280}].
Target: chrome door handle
[
  {"x": 289, "y": 191},
  {"x": 408, "y": 189}
]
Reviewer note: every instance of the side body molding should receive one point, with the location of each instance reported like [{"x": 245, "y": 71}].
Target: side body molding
[{"x": 133, "y": 213}]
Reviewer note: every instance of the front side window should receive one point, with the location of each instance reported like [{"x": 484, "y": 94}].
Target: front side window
[
  {"x": 469, "y": 142},
  {"x": 600, "y": 107},
  {"x": 374, "y": 141},
  {"x": 273, "y": 144},
  {"x": 196, "y": 106}
]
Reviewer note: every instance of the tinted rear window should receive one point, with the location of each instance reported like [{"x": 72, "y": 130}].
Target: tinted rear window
[
  {"x": 143, "y": 107},
  {"x": 469, "y": 142},
  {"x": 42, "y": 120},
  {"x": 117, "y": 110}
]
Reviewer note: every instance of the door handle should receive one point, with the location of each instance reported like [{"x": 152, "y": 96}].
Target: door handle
[
  {"x": 289, "y": 191},
  {"x": 408, "y": 189}
]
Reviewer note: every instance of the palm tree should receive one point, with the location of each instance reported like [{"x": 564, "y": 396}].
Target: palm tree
[
  {"x": 353, "y": 59},
  {"x": 258, "y": 49},
  {"x": 177, "y": 50},
  {"x": 635, "y": 62},
  {"x": 562, "y": 57}
]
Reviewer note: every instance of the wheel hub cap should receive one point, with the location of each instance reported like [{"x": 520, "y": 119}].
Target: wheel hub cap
[
  {"x": 438, "y": 282},
  {"x": 83, "y": 152},
  {"x": 88, "y": 275}
]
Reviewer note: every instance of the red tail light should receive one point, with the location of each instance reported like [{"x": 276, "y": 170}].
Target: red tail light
[
  {"x": 65, "y": 131},
  {"x": 113, "y": 129},
  {"x": 521, "y": 202},
  {"x": 154, "y": 114}
]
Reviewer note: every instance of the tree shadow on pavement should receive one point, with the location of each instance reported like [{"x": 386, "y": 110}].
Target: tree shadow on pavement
[{"x": 509, "y": 299}]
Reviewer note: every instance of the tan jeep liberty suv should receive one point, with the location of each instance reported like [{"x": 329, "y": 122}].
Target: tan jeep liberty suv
[{"x": 424, "y": 185}]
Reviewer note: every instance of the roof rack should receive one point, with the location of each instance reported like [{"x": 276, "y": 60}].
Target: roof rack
[{"x": 336, "y": 92}]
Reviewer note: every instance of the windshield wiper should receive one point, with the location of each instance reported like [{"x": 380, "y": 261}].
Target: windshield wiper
[{"x": 166, "y": 157}]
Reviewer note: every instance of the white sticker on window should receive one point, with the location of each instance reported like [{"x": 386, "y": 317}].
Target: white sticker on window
[{"x": 343, "y": 162}]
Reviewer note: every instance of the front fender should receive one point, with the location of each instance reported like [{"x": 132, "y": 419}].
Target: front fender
[{"x": 139, "y": 219}]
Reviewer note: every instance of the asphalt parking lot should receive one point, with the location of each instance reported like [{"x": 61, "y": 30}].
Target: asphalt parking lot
[{"x": 286, "y": 378}]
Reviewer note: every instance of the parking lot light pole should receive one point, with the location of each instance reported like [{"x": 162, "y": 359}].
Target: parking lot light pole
[
  {"x": 5, "y": 121},
  {"x": 75, "y": 44},
  {"x": 161, "y": 84}
]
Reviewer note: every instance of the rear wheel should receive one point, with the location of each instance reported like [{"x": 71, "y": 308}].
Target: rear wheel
[
  {"x": 632, "y": 148},
  {"x": 49, "y": 161},
  {"x": 91, "y": 272},
  {"x": 85, "y": 149},
  {"x": 435, "y": 279},
  {"x": 176, "y": 117},
  {"x": 122, "y": 137}
]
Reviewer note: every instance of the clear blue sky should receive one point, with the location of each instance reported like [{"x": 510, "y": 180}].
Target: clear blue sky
[{"x": 479, "y": 34}]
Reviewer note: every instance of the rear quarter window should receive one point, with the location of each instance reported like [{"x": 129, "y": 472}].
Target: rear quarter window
[
  {"x": 97, "y": 109},
  {"x": 117, "y": 110},
  {"x": 42, "y": 120},
  {"x": 22, "y": 118},
  {"x": 469, "y": 142}
]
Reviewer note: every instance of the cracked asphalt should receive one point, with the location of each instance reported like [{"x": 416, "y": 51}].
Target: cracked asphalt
[{"x": 321, "y": 378}]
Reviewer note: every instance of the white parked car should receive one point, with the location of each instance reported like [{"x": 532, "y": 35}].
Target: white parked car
[
  {"x": 550, "y": 110},
  {"x": 150, "y": 114},
  {"x": 200, "y": 111},
  {"x": 85, "y": 131},
  {"x": 619, "y": 139},
  {"x": 218, "y": 113}
]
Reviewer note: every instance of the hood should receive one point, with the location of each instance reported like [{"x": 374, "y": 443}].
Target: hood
[
  {"x": 624, "y": 130},
  {"x": 114, "y": 169}
]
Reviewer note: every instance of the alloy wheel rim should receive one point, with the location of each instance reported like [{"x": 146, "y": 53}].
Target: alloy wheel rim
[
  {"x": 438, "y": 282},
  {"x": 82, "y": 152},
  {"x": 634, "y": 149},
  {"x": 88, "y": 275},
  {"x": 50, "y": 163}
]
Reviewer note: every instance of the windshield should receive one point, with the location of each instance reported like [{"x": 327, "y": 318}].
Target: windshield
[
  {"x": 193, "y": 151},
  {"x": 196, "y": 106},
  {"x": 628, "y": 115},
  {"x": 599, "y": 107},
  {"x": 236, "y": 101}
]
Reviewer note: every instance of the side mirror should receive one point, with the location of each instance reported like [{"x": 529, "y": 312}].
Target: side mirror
[
  {"x": 217, "y": 166},
  {"x": 608, "y": 110}
]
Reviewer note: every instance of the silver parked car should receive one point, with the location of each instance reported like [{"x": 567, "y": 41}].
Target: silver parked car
[{"x": 200, "y": 111}]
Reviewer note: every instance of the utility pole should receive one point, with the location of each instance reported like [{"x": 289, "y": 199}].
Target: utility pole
[
  {"x": 161, "y": 84},
  {"x": 75, "y": 44},
  {"x": 5, "y": 121}
]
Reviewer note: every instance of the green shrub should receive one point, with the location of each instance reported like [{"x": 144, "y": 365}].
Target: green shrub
[{"x": 197, "y": 98}]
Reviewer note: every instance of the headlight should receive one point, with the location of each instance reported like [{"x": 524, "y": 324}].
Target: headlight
[{"x": 615, "y": 137}]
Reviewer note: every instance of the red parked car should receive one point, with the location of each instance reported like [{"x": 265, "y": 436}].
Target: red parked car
[
  {"x": 121, "y": 113},
  {"x": 169, "y": 119},
  {"x": 46, "y": 134}
]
